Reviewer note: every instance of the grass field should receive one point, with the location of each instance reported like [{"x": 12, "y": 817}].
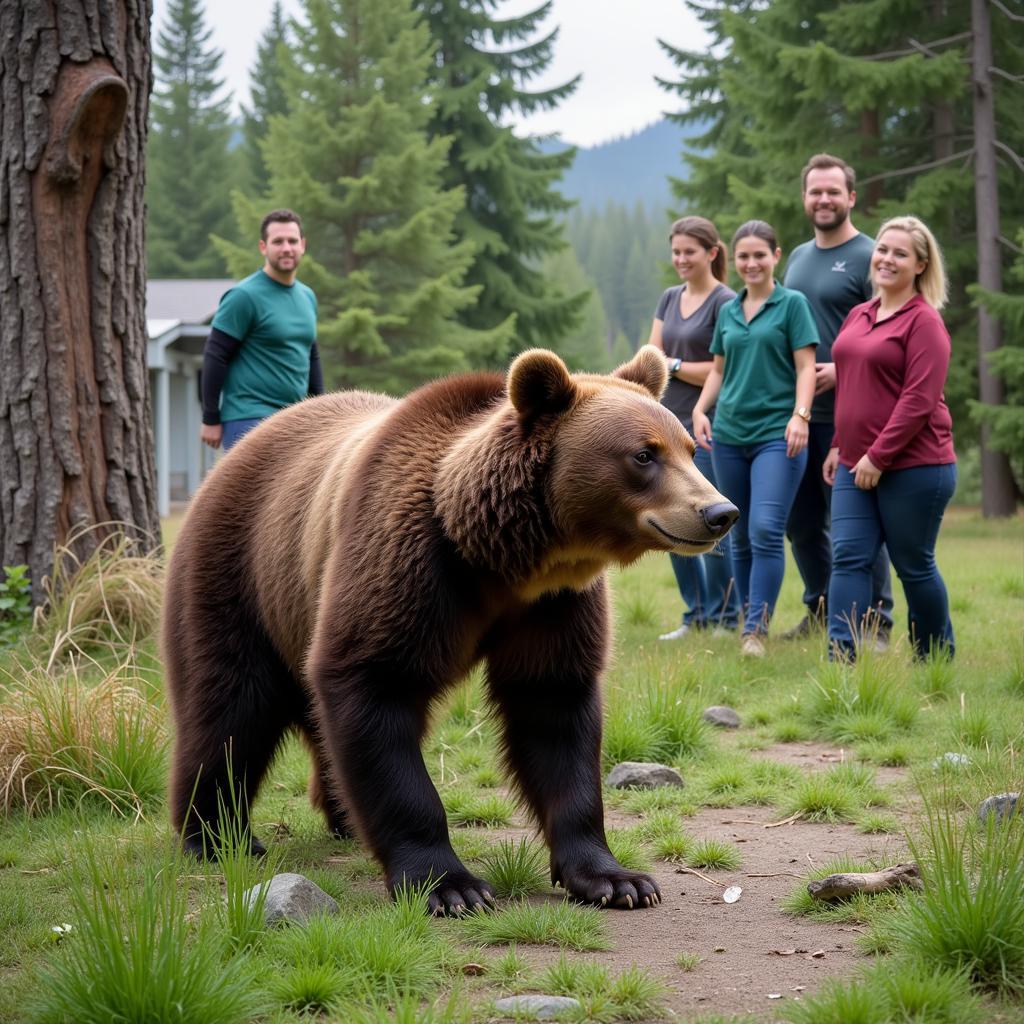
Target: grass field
[{"x": 84, "y": 839}]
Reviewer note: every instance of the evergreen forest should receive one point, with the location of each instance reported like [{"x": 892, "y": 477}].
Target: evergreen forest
[{"x": 441, "y": 239}]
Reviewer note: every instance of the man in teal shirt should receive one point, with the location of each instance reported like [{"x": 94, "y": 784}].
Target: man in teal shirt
[{"x": 261, "y": 354}]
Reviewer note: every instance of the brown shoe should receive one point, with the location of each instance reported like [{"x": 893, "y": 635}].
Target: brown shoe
[
  {"x": 808, "y": 626},
  {"x": 752, "y": 646}
]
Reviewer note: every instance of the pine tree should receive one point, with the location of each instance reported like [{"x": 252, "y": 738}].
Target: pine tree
[
  {"x": 480, "y": 70},
  {"x": 586, "y": 346},
  {"x": 352, "y": 157},
  {"x": 267, "y": 94},
  {"x": 189, "y": 167}
]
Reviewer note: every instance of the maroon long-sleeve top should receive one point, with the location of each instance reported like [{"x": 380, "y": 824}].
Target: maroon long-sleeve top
[{"x": 889, "y": 381}]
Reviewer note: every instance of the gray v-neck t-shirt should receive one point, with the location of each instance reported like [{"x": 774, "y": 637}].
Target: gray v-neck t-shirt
[{"x": 688, "y": 339}]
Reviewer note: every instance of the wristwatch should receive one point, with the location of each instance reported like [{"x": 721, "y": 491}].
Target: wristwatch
[
  {"x": 674, "y": 364},
  {"x": 804, "y": 413}
]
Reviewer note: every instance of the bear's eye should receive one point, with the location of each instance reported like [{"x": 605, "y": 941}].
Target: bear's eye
[{"x": 644, "y": 457}]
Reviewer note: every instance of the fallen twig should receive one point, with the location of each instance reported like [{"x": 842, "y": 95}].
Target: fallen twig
[
  {"x": 699, "y": 874},
  {"x": 786, "y": 821},
  {"x": 839, "y": 886},
  {"x": 771, "y": 874}
]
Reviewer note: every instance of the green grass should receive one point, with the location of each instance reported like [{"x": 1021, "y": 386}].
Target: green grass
[
  {"x": 516, "y": 869},
  {"x": 377, "y": 962},
  {"x": 540, "y": 924}
]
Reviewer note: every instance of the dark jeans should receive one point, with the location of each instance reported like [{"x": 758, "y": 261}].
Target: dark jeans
[
  {"x": 706, "y": 581},
  {"x": 760, "y": 480},
  {"x": 904, "y": 511},
  {"x": 235, "y": 430},
  {"x": 808, "y": 533}
]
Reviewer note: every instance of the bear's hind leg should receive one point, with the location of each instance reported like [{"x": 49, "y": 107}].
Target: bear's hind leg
[
  {"x": 228, "y": 725},
  {"x": 323, "y": 790}
]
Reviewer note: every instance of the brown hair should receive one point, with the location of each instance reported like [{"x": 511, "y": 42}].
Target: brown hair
[
  {"x": 279, "y": 217},
  {"x": 759, "y": 229},
  {"x": 701, "y": 229},
  {"x": 823, "y": 161},
  {"x": 931, "y": 282}
]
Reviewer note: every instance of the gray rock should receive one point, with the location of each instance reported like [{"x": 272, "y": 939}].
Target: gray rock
[
  {"x": 951, "y": 760},
  {"x": 539, "y": 1007},
  {"x": 292, "y": 897},
  {"x": 638, "y": 775},
  {"x": 722, "y": 716},
  {"x": 1003, "y": 805}
]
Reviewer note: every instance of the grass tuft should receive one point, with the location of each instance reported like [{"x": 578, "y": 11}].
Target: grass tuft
[
  {"x": 516, "y": 869},
  {"x": 467, "y": 809},
  {"x": 544, "y": 924},
  {"x": 714, "y": 853},
  {"x": 64, "y": 740},
  {"x": 111, "y": 598},
  {"x": 969, "y": 916},
  {"x": 134, "y": 956}
]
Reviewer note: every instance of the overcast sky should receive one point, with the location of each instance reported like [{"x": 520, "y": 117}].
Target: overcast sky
[{"x": 616, "y": 52}]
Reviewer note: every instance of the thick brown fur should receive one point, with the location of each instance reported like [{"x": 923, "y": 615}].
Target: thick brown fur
[{"x": 356, "y": 555}]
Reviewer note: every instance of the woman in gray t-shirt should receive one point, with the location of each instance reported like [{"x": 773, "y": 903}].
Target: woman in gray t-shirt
[{"x": 683, "y": 326}]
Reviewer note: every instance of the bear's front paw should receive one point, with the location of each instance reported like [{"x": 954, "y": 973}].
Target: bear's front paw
[
  {"x": 456, "y": 893},
  {"x": 616, "y": 887}
]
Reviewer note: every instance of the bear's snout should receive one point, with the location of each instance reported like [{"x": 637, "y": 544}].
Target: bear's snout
[{"x": 719, "y": 517}]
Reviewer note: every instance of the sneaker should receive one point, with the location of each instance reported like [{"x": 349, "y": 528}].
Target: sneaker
[
  {"x": 752, "y": 646},
  {"x": 880, "y": 641},
  {"x": 720, "y": 631},
  {"x": 677, "y": 634}
]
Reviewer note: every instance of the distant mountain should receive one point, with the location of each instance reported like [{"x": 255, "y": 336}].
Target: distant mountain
[{"x": 636, "y": 167}]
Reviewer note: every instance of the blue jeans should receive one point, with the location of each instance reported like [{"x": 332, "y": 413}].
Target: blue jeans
[
  {"x": 904, "y": 511},
  {"x": 235, "y": 430},
  {"x": 761, "y": 481},
  {"x": 706, "y": 581},
  {"x": 808, "y": 532}
]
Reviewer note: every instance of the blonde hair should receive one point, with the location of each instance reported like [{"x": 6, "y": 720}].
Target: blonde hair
[{"x": 931, "y": 282}]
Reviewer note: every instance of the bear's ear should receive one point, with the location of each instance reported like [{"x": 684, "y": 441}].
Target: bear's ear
[
  {"x": 648, "y": 369},
  {"x": 538, "y": 383}
]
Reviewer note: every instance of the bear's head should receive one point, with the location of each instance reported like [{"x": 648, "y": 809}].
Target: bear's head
[{"x": 578, "y": 470}]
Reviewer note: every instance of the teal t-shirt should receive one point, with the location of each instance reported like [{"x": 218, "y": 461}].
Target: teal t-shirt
[
  {"x": 834, "y": 281},
  {"x": 759, "y": 383},
  {"x": 276, "y": 324}
]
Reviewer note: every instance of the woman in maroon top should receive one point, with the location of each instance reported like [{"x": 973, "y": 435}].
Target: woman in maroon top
[{"x": 892, "y": 464}]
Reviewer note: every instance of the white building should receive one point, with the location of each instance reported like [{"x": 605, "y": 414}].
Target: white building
[{"x": 178, "y": 315}]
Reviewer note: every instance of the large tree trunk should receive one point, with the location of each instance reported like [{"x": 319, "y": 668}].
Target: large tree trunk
[
  {"x": 998, "y": 496},
  {"x": 75, "y": 425}
]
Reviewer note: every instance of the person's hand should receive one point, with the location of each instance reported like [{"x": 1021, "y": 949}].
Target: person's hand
[
  {"x": 702, "y": 430},
  {"x": 830, "y": 465},
  {"x": 866, "y": 474},
  {"x": 824, "y": 377},
  {"x": 211, "y": 434},
  {"x": 796, "y": 435}
]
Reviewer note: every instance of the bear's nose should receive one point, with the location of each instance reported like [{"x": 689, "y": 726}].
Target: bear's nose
[{"x": 718, "y": 518}]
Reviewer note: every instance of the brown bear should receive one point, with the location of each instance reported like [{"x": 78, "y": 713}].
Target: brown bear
[{"x": 356, "y": 555}]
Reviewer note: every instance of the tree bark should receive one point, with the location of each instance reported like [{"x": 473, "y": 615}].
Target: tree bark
[
  {"x": 998, "y": 496},
  {"x": 76, "y": 445}
]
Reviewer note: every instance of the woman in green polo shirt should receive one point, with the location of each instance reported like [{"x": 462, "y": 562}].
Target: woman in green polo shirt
[{"x": 763, "y": 381}]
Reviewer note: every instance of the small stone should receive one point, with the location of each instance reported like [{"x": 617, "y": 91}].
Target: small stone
[
  {"x": 539, "y": 1007},
  {"x": 722, "y": 716},
  {"x": 292, "y": 897},
  {"x": 474, "y": 970},
  {"x": 639, "y": 775},
  {"x": 1003, "y": 805},
  {"x": 952, "y": 760}
]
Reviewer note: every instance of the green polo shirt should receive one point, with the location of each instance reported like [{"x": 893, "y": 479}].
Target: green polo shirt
[
  {"x": 276, "y": 324},
  {"x": 759, "y": 385}
]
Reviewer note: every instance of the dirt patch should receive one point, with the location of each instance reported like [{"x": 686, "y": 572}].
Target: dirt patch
[
  {"x": 741, "y": 945},
  {"x": 814, "y": 756},
  {"x": 750, "y": 950}
]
